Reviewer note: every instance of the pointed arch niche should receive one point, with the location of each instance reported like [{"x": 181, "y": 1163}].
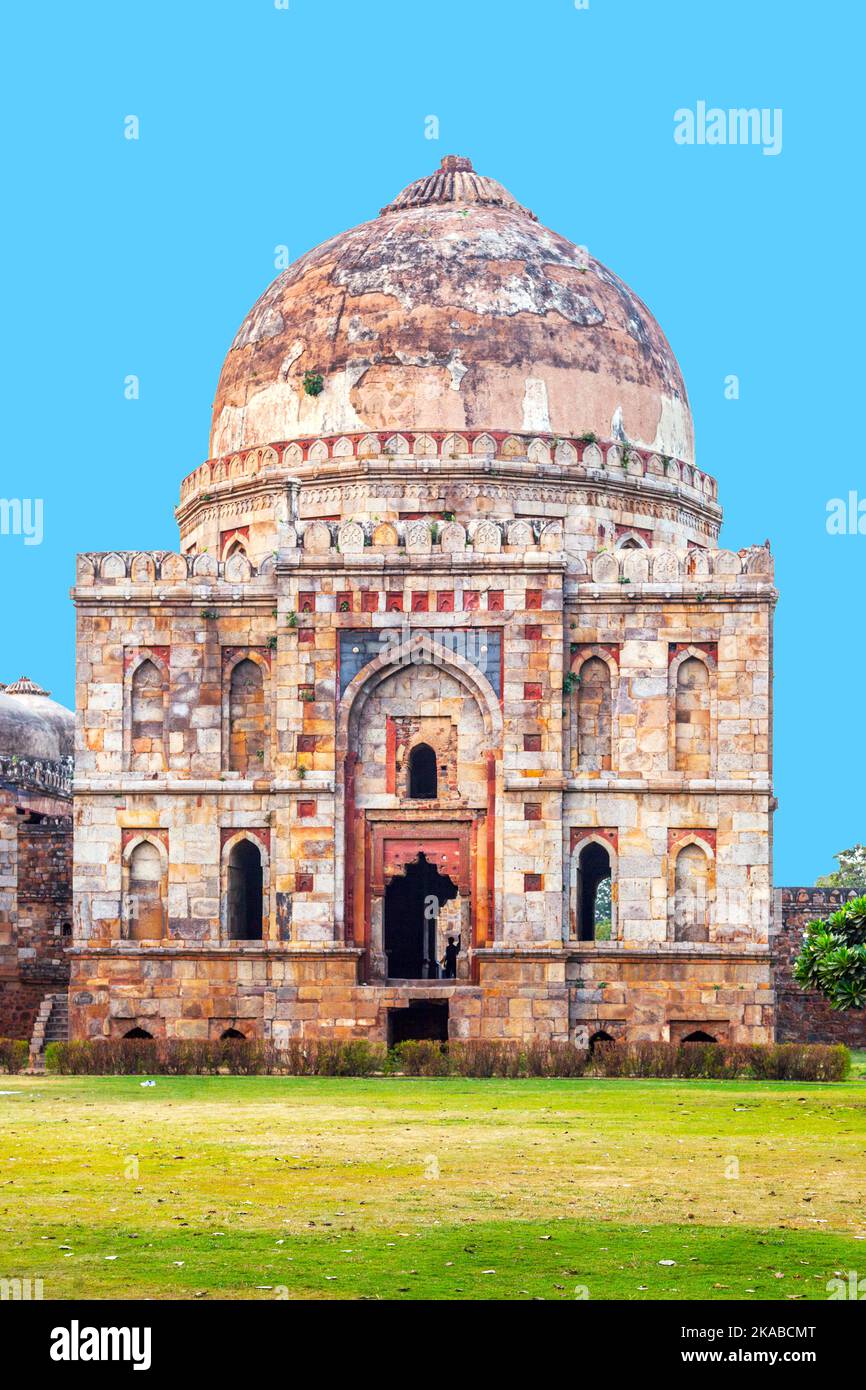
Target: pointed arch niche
[
  {"x": 145, "y": 709},
  {"x": 144, "y": 914},
  {"x": 593, "y": 710}
]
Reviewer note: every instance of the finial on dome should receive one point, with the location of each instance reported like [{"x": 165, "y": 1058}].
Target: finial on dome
[
  {"x": 25, "y": 686},
  {"x": 455, "y": 181},
  {"x": 456, "y": 161}
]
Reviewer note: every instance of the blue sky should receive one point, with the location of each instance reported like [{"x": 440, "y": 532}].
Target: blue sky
[{"x": 263, "y": 126}]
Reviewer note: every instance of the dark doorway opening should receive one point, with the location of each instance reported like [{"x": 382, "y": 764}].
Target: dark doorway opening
[
  {"x": 426, "y": 1019},
  {"x": 138, "y": 1033},
  {"x": 422, "y": 772},
  {"x": 594, "y": 867},
  {"x": 699, "y": 1036},
  {"x": 244, "y": 919},
  {"x": 232, "y": 1035},
  {"x": 412, "y": 902},
  {"x": 600, "y": 1037}
]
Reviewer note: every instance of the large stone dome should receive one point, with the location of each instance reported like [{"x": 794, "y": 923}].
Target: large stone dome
[{"x": 454, "y": 309}]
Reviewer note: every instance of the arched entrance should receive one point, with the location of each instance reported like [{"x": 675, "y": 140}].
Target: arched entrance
[{"x": 412, "y": 902}]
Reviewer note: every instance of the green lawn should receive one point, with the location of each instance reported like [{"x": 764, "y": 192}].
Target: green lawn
[{"x": 308, "y": 1187}]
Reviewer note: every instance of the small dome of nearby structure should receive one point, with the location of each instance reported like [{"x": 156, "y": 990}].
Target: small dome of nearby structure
[{"x": 32, "y": 725}]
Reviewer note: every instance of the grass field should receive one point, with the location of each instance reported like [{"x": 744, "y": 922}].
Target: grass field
[{"x": 264, "y": 1187}]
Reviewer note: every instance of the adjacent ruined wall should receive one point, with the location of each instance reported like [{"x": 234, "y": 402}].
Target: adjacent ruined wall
[
  {"x": 36, "y": 876},
  {"x": 804, "y": 1015}
]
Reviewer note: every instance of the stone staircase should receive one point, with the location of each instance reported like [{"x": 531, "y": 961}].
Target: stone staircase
[{"x": 52, "y": 1025}]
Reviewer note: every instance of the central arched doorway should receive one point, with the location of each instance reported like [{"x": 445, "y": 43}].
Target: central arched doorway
[{"x": 412, "y": 902}]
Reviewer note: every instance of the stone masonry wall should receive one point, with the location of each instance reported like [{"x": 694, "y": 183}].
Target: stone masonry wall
[{"x": 33, "y": 951}]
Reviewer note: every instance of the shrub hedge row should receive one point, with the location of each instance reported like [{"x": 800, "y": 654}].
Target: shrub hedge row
[
  {"x": 717, "y": 1061},
  {"x": 13, "y": 1054}
]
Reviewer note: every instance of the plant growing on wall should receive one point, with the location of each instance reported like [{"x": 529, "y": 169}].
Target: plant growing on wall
[
  {"x": 314, "y": 383},
  {"x": 832, "y": 958}
]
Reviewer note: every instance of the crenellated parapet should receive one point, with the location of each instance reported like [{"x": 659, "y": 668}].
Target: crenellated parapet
[
  {"x": 51, "y": 775},
  {"x": 662, "y": 568},
  {"x": 423, "y": 538},
  {"x": 135, "y": 569},
  {"x": 315, "y": 457}
]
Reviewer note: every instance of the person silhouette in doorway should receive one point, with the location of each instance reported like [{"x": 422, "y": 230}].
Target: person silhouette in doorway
[{"x": 452, "y": 950}]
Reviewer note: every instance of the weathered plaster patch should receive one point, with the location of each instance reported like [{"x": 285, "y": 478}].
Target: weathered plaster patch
[
  {"x": 536, "y": 414},
  {"x": 457, "y": 370},
  {"x": 291, "y": 357}
]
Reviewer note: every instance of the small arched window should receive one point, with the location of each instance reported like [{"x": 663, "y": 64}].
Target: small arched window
[
  {"x": 692, "y": 736},
  {"x": 246, "y": 718},
  {"x": 691, "y": 895},
  {"x": 147, "y": 718},
  {"x": 423, "y": 782},
  {"x": 141, "y": 1034},
  {"x": 232, "y": 1035},
  {"x": 594, "y": 716},
  {"x": 699, "y": 1036},
  {"x": 244, "y": 889}
]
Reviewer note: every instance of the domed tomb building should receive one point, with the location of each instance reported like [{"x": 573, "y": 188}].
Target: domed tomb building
[{"x": 449, "y": 717}]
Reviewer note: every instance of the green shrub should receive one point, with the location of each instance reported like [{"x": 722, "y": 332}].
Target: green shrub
[
  {"x": 473, "y": 1058},
  {"x": 14, "y": 1055},
  {"x": 422, "y": 1058},
  {"x": 354, "y": 1057}
]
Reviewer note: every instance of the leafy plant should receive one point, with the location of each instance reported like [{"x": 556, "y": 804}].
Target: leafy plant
[
  {"x": 832, "y": 957},
  {"x": 570, "y": 681},
  {"x": 272, "y": 642},
  {"x": 292, "y": 619},
  {"x": 589, "y": 438},
  {"x": 851, "y": 872},
  {"x": 314, "y": 383},
  {"x": 208, "y": 613}
]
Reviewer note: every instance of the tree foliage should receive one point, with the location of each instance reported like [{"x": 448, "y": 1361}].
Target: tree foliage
[
  {"x": 851, "y": 872},
  {"x": 832, "y": 958}
]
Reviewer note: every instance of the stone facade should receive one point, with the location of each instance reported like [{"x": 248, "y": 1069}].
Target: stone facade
[{"x": 430, "y": 671}]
